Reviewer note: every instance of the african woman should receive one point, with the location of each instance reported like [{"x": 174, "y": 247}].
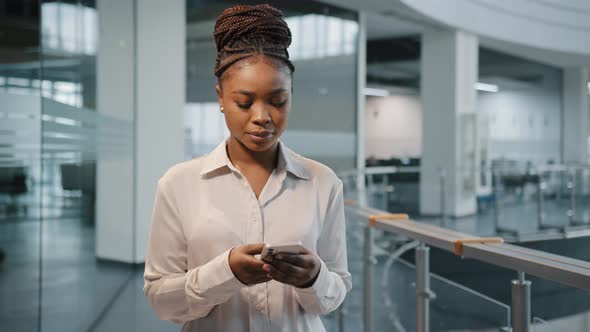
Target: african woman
[{"x": 213, "y": 214}]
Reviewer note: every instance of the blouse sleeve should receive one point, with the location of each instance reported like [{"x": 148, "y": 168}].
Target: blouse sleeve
[
  {"x": 175, "y": 293},
  {"x": 334, "y": 280}
]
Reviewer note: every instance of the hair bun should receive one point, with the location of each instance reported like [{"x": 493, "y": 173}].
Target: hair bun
[
  {"x": 251, "y": 23},
  {"x": 242, "y": 31}
]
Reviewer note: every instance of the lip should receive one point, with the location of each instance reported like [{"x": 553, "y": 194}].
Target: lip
[
  {"x": 263, "y": 133},
  {"x": 260, "y": 136}
]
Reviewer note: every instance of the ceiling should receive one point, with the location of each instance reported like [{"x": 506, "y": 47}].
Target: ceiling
[{"x": 391, "y": 19}]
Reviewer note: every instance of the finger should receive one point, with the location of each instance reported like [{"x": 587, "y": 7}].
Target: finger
[
  {"x": 252, "y": 264},
  {"x": 253, "y": 249},
  {"x": 279, "y": 275},
  {"x": 297, "y": 260},
  {"x": 286, "y": 268}
]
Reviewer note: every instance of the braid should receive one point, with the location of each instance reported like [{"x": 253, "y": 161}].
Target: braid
[{"x": 244, "y": 31}]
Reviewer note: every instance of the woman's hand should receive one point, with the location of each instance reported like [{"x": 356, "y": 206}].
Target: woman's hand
[
  {"x": 299, "y": 270},
  {"x": 247, "y": 268}
]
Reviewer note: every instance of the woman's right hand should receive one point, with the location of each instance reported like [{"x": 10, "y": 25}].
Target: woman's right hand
[{"x": 247, "y": 268}]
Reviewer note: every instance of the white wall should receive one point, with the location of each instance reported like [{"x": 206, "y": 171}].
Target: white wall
[
  {"x": 393, "y": 127},
  {"x": 115, "y": 182},
  {"x": 133, "y": 85},
  {"x": 521, "y": 123},
  {"x": 160, "y": 103},
  {"x": 525, "y": 124},
  {"x": 576, "y": 114}
]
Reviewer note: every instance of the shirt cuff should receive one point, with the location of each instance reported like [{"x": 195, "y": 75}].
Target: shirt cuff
[
  {"x": 321, "y": 283},
  {"x": 215, "y": 276}
]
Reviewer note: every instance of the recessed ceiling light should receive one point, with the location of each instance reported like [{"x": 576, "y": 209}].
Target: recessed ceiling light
[
  {"x": 376, "y": 92},
  {"x": 486, "y": 87}
]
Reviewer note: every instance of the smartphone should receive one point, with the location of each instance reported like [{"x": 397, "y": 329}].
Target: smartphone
[{"x": 270, "y": 250}]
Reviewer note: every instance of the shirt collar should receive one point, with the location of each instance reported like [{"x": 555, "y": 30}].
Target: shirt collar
[{"x": 288, "y": 160}]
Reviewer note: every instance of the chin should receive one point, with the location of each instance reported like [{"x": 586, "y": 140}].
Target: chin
[{"x": 260, "y": 147}]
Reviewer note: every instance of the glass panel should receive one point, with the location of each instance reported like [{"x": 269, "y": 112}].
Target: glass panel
[
  {"x": 77, "y": 286},
  {"x": 455, "y": 307},
  {"x": 581, "y": 200},
  {"x": 540, "y": 325},
  {"x": 352, "y": 308},
  {"x": 461, "y": 308},
  {"x": 20, "y": 166},
  {"x": 394, "y": 290},
  {"x": 556, "y": 307}
]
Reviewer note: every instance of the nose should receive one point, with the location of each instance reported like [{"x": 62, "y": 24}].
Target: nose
[{"x": 261, "y": 116}]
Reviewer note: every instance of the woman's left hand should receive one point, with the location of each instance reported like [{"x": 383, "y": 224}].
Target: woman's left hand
[{"x": 299, "y": 270}]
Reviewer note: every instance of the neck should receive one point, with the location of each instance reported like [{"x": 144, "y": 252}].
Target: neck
[{"x": 241, "y": 156}]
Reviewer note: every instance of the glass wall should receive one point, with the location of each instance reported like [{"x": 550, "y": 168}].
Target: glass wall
[
  {"x": 51, "y": 137},
  {"x": 54, "y": 139},
  {"x": 20, "y": 165},
  {"x": 74, "y": 138}
]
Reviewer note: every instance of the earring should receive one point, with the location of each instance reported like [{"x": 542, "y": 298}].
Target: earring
[{"x": 221, "y": 109}]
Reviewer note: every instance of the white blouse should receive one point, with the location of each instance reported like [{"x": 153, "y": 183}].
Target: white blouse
[{"x": 204, "y": 207}]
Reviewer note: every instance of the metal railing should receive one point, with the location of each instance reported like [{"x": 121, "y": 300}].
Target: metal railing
[
  {"x": 523, "y": 261},
  {"x": 564, "y": 190},
  {"x": 561, "y": 194}
]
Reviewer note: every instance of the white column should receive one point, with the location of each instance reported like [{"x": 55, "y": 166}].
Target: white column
[
  {"x": 361, "y": 100},
  {"x": 141, "y": 81},
  {"x": 449, "y": 72},
  {"x": 576, "y": 115}
]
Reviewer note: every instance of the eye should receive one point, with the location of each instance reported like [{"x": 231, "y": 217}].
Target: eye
[
  {"x": 244, "y": 106},
  {"x": 279, "y": 104}
]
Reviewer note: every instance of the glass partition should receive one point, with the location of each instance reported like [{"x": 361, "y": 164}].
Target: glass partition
[
  {"x": 20, "y": 166},
  {"x": 76, "y": 286}
]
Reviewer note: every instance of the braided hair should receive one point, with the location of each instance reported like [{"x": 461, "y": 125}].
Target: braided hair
[{"x": 245, "y": 31}]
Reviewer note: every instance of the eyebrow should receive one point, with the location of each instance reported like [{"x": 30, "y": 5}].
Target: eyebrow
[{"x": 250, "y": 94}]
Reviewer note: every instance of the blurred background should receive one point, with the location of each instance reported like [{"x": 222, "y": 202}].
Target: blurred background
[{"x": 468, "y": 115}]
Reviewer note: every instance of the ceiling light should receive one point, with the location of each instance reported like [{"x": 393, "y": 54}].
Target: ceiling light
[
  {"x": 486, "y": 87},
  {"x": 376, "y": 92}
]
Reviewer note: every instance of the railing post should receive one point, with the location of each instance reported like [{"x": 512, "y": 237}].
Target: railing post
[
  {"x": 521, "y": 304},
  {"x": 571, "y": 186},
  {"x": 443, "y": 203},
  {"x": 423, "y": 292},
  {"x": 541, "y": 186},
  {"x": 368, "y": 278},
  {"x": 496, "y": 188},
  {"x": 341, "y": 317}
]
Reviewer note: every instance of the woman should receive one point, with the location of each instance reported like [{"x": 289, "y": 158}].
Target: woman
[{"x": 212, "y": 214}]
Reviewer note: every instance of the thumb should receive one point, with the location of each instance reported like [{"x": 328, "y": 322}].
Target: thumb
[{"x": 253, "y": 249}]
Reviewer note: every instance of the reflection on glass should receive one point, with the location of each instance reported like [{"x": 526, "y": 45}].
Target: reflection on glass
[
  {"x": 204, "y": 128},
  {"x": 19, "y": 167},
  {"x": 69, "y": 28},
  {"x": 318, "y": 36},
  {"x": 73, "y": 137}
]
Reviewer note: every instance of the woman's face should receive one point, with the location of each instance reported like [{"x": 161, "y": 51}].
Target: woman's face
[{"x": 255, "y": 94}]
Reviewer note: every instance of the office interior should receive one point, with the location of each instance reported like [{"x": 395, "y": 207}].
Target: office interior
[{"x": 471, "y": 116}]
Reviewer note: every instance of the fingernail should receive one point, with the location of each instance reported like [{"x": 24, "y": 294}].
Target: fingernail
[{"x": 266, "y": 268}]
